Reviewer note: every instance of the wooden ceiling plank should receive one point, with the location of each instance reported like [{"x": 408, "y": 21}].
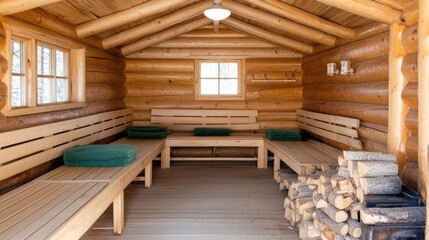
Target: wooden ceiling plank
[
  {"x": 127, "y": 16},
  {"x": 8, "y": 7},
  {"x": 296, "y": 14},
  {"x": 164, "y": 35},
  {"x": 367, "y": 8},
  {"x": 279, "y": 23},
  {"x": 267, "y": 35},
  {"x": 156, "y": 25}
]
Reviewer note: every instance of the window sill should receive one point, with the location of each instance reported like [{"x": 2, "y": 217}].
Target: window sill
[
  {"x": 217, "y": 97},
  {"x": 43, "y": 109}
]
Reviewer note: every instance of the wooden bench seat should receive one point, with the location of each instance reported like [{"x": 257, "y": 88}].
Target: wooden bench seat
[
  {"x": 304, "y": 157},
  {"x": 64, "y": 203},
  {"x": 183, "y": 121}
]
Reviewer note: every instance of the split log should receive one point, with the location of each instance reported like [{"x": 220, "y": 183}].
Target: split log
[
  {"x": 345, "y": 186},
  {"x": 369, "y": 70},
  {"x": 304, "y": 191},
  {"x": 324, "y": 188},
  {"x": 381, "y": 185},
  {"x": 373, "y": 113},
  {"x": 339, "y": 201},
  {"x": 410, "y": 39},
  {"x": 352, "y": 166},
  {"x": 331, "y": 235},
  {"x": 410, "y": 67},
  {"x": 308, "y": 214},
  {"x": 319, "y": 201},
  {"x": 377, "y": 168},
  {"x": 343, "y": 172},
  {"x": 286, "y": 202},
  {"x": 327, "y": 223},
  {"x": 372, "y": 47},
  {"x": 376, "y": 92},
  {"x": 335, "y": 214},
  {"x": 354, "y": 211},
  {"x": 409, "y": 95},
  {"x": 355, "y": 229},
  {"x": 408, "y": 215},
  {"x": 335, "y": 179},
  {"x": 309, "y": 231},
  {"x": 342, "y": 162},
  {"x": 356, "y": 179},
  {"x": 368, "y": 156},
  {"x": 302, "y": 204}
]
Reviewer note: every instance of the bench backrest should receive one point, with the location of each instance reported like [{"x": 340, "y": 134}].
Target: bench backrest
[
  {"x": 26, "y": 148},
  {"x": 188, "y": 119},
  {"x": 337, "y": 128}
]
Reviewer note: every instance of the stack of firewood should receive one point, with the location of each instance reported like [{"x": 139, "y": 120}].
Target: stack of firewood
[{"x": 326, "y": 205}]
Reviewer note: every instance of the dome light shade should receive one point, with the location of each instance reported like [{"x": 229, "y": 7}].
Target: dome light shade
[{"x": 217, "y": 13}]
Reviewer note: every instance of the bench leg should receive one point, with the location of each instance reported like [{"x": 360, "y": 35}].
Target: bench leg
[
  {"x": 148, "y": 175},
  {"x": 262, "y": 157},
  {"x": 118, "y": 214},
  {"x": 276, "y": 168},
  {"x": 165, "y": 157}
]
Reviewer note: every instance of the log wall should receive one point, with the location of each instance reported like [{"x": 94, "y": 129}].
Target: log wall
[
  {"x": 362, "y": 95},
  {"x": 169, "y": 83},
  {"x": 105, "y": 91}
]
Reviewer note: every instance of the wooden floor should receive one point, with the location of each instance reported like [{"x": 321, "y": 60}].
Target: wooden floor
[{"x": 202, "y": 201}]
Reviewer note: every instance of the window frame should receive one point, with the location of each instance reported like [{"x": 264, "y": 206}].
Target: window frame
[
  {"x": 15, "y": 29},
  {"x": 25, "y": 74},
  {"x": 240, "y": 81}
]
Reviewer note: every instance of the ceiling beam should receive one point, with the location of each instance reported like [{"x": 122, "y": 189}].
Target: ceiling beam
[
  {"x": 8, "y": 7},
  {"x": 215, "y": 26},
  {"x": 127, "y": 16},
  {"x": 164, "y": 35},
  {"x": 267, "y": 35},
  {"x": 298, "y": 15},
  {"x": 279, "y": 23},
  {"x": 156, "y": 25},
  {"x": 208, "y": 33},
  {"x": 202, "y": 42},
  {"x": 367, "y": 8},
  {"x": 215, "y": 53}
]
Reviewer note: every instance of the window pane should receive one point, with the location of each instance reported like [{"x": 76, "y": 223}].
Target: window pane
[
  {"x": 61, "y": 61},
  {"x": 18, "y": 61},
  {"x": 209, "y": 86},
  {"x": 62, "y": 90},
  {"x": 44, "y": 92},
  {"x": 44, "y": 60},
  {"x": 209, "y": 70},
  {"x": 229, "y": 86},
  {"x": 228, "y": 70},
  {"x": 18, "y": 91}
]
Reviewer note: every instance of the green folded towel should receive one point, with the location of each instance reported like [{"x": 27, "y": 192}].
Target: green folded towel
[
  {"x": 109, "y": 155},
  {"x": 147, "y": 129},
  {"x": 147, "y": 135},
  {"x": 282, "y": 135},
  {"x": 211, "y": 132}
]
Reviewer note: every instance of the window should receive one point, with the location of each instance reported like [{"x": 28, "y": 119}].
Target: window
[
  {"x": 47, "y": 72},
  {"x": 19, "y": 78},
  {"x": 52, "y": 74},
  {"x": 219, "y": 80}
]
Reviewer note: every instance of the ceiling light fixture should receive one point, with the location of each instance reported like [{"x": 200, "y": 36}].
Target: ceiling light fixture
[{"x": 217, "y": 12}]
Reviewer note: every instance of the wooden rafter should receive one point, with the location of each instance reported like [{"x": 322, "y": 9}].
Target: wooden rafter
[
  {"x": 267, "y": 35},
  {"x": 275, "y": 21},
  {"x": 8, "y": 7},
  {"x": 164, "y": 35},
  {"x": 296, "y": 14},
  {"x": 156, "y": 25},
  {"x": 127, "y": 16},
  {"x": 367, "y": 8},
  {"x": 202, "y": 42},
  {"x": 216, "y": 26}
]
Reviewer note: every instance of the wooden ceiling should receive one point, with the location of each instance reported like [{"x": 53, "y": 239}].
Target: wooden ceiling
[{"x": 251, "y": 17}]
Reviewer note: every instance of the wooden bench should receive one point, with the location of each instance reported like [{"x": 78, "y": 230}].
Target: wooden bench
[
  {"x": 183, "y": 121},
  {"x": 65, "y": 203},
  {"x": 305, "y": 157}
]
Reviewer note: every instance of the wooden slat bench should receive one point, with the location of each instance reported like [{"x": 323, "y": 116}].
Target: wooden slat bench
[
  {"x": 64, "y": 203},
  {"x": 183, "y": 121},
  {"x": 305, "y": 157}
]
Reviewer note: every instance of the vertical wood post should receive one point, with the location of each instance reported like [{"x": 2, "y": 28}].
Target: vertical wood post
[
  {"x": 276, "y": 168},
  {"x": 148, "y": 175},
  {"x": 118, "y": 214},
  {"x": 423, "y": 98},
  {"x": 397, "y": 130}
]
